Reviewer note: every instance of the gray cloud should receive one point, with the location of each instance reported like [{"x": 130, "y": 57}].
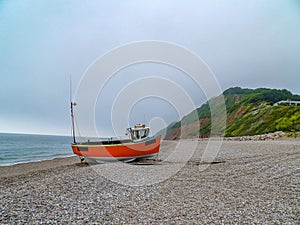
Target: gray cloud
[{"x": 245, "y": 43}]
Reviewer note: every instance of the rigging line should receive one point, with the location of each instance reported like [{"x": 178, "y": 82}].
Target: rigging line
[{"x": 78, "y": 131}]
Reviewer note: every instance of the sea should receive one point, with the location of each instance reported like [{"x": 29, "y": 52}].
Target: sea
[{"x": 23, "y": 148}]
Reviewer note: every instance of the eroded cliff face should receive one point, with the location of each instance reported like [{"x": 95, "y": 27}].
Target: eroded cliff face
[{"x": 187, "y": 130}]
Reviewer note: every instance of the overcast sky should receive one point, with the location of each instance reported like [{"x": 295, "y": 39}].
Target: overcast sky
[{"x": 244, "y": 43}]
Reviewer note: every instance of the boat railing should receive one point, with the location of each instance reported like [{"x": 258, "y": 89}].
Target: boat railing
[{"x": 96, "y": 140}]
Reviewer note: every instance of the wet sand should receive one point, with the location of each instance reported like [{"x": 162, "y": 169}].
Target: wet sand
[{"x": 249, "y": 182}]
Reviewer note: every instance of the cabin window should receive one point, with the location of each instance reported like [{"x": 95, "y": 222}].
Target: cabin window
[{"x": 138, "y": 134}]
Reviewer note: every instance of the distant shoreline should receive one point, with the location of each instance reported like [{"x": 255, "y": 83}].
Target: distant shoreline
[
  {"x": 23, "y": 168},
  {"x": 25, "y": 148},
  {"x": 37, "y": 160},
  {"x": 28, "y": 167},
  {"x": 55, "y": 135}
]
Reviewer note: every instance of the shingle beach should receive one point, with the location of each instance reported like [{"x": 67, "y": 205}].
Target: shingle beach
[{"x": 249, "y": 182}]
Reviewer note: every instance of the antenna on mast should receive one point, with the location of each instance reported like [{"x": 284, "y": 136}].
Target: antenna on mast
[{"x": 72, "y": 112}]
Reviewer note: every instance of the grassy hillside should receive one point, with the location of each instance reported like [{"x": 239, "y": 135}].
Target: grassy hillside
[{"x": 249, "y": 112}]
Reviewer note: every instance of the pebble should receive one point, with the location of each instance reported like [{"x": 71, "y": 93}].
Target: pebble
[{"x": 255, "y": 183}]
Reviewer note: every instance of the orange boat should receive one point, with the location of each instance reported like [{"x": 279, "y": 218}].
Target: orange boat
[{"x": 139, "y": 145}]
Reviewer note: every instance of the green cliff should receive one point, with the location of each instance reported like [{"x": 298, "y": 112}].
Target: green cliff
[{"x": 249, "y": 112}]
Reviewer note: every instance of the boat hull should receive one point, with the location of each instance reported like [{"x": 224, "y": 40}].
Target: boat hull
[{"x": 99, "y": 152}]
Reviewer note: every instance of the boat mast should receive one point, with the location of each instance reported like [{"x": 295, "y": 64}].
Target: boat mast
[
  {"x": 73, "y": 122},
  {"x": 72, "y": 112}
]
